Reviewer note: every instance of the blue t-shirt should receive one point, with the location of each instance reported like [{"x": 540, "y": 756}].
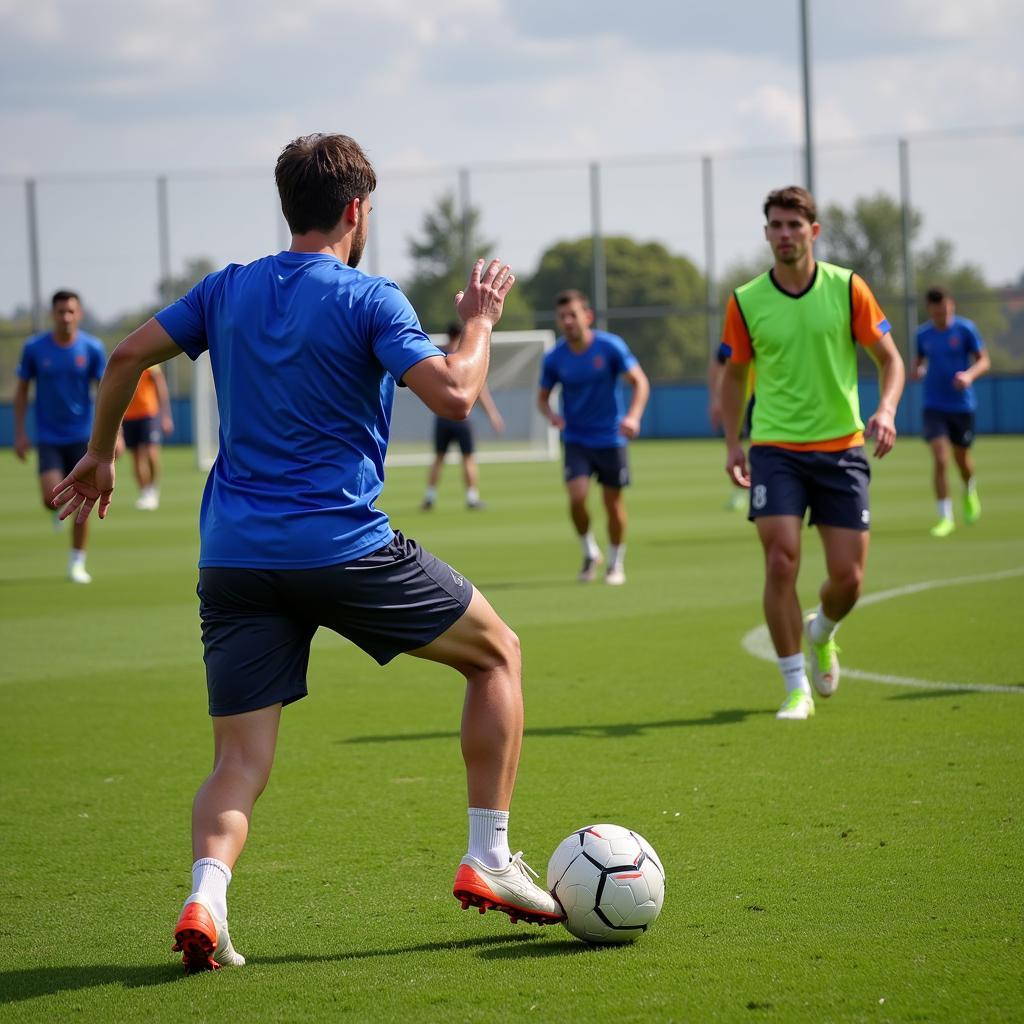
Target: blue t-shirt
[
  {"x": 592, "y": 404},
  {"x": 305, "y": 354},
  {"x": 63, "y": 376},
  {"x": 948, "y": 352}
]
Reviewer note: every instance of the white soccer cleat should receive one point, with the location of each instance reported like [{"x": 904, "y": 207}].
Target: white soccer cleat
[
  {"x": 77, "y": 573},
  {"x": 796, "y": 707},
  {"x": 509, "y": 889},
  {"x": 589, "y": 571},
  {"x": 204, "y": 943},
  {"x": 824, "y": 661},
  {"x": 615, "y": 576},
  {"x": 148, "y": 501}
]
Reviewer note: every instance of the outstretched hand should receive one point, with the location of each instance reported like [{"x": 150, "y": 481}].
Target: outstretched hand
[
  {"x": 90, "y": 481},
  {"x": 484, "y": 295}
]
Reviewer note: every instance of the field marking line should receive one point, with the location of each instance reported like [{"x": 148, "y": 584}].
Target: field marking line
[{"x": 758, "y": 642}]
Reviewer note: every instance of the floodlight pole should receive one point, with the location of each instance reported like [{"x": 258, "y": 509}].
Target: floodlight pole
[
  {"x": 710, "y": 297},
  {"x": 33, "y": 254},
  {"x": 805, "y": 59},
  {"x": 599, "y": 299}
]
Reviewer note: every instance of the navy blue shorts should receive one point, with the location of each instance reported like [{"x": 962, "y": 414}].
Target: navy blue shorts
[
  {"x": 258, "y": 623},
  {"x": 957, "y": 426},
  {"x": 448, "y": 432},
  {"x": 609, "y": 465},
  {"x": 833, "y": 485},
  {"x": 141, "y": 431},
  {"x": 60, "y": 456}
]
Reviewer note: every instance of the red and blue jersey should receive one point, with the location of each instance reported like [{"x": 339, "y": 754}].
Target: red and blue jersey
[
  {"x": 592, "y": 402},
  {"x": 948, "y": 352},
  {"x": 63, "y": 376},
  {"x": 305, "y": 354}
]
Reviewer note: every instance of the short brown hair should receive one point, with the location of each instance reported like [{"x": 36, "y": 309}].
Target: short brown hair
[
  {"x": 793, "y": 197},
  {"x": 571, "y": 295},
  {"x": 317, "y": 177},
  {"x": 936, "y": 295},
  {"x": 64, "y": 295}
]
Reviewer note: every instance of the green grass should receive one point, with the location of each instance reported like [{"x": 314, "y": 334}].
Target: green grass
[{"x": 864, "y": 866}]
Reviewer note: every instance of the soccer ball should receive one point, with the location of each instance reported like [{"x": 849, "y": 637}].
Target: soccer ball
[{"x": 609, "y": 881}]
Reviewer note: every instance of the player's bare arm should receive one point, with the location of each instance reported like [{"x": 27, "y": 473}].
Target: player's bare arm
[
  {"x": 450, "y": 387},
  {"x": 731, "y": 394},
  {"x": 637, "y": 379},
  {"x": 489, "y": 407},
  {"x": 965, "y": 378},
  {"x": 92, "y": 480},
  {"x": 544, "y": 405},
  {"x": 22, "y": 444},
  {"x": 920, "y": 368},
  {"x": 164, "y": 398},
  {"x": 882, "y": 425}
]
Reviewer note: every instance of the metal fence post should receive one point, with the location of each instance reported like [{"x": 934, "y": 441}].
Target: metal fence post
[
  {"x": 711, "y": 297},
  {"x": 909, "y": 288},
  {"x": 599, "y": 278},
  {"x": 465, "y": 218},
  {"x": 33, "y": 254}
]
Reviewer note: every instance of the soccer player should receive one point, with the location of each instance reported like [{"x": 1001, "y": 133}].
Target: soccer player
[
  {"x": 447, "y": 432},
  {"x": 798, "y": 323},
  {"x": 305, "y": 352},
  {"x": 950, "y": 357},
  {"x": 595, "y": 427},
  {"x": 63, "y": 362},
  {"x": 146, "y": 422}
]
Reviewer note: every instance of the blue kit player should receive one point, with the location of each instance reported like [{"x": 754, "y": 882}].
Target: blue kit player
[
  {"x": 950, "y": 357},
  {"x": 64, "y": 363},
  {"x": 306, "y": 352},
  {"x": 595, "y": 426}
]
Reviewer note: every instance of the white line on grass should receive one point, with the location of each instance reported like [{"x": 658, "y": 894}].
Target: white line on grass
[{"x": 759, "y": 644}]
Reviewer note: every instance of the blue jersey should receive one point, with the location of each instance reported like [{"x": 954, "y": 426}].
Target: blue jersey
[
  {"x": 305, "y": 354},
  {"x": 948, "y": 352},
  {"x": 63, "y": 376},
  {"x": 592, "y": 404}
]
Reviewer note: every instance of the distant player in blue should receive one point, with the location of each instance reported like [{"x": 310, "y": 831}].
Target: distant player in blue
[
  {"x": 64, "y": 363},
  {"x": 306, "y": 353},
  {"x": 595, "y": 425},
  {"x": 950, "y": 357}
]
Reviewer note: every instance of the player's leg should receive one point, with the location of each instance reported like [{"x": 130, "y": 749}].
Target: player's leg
[
  {"x": 936, "y": 435},
  {"x": 961, "y": 438},
  {"x": 577, "y": 470},
  {"x": 613, "y": 475},
  {"x": 69, "y": 455},
  {"x": 441, "y": 442},
  {"x": 470, "y": 471}
]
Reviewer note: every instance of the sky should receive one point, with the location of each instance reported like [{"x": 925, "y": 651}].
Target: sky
[{"x": 97, "y": 100}]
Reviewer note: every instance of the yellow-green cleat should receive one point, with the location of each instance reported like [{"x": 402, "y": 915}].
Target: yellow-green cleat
[
  {"x": 824, "y": 661},
  {"x": 796, "y": 707},
  {"x": 943, "y": 528},
  {"x": 972, "y": 507}
]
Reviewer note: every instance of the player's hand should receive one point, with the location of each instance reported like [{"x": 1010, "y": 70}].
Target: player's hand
[
  {"x": 629, "y": 427},
  {"x": 920, "y": 371},
  {"x": 961, "y": 380},
  {"x": 484, "y": 295},
  {"x": 22, "y": 446},
  {"x": 556, "y": 421},
  {"x": 882, "y": 427},
  {"x": 167, "y": 426},
  {"x": 736, "y": 466},
  {"x": 90, "y": 481}
]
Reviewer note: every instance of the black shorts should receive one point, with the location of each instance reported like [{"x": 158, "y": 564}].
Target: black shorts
[
  {"x": 258, "y": 623},
  {"x": 833, "y": 485},
  {"x": 609, "y": 465},
  {"x": 957, "y": 426},
  {"x": 447, "y": 432},
  {"x": 60, "y": 456},
  {"x": 142, "y": 431}
]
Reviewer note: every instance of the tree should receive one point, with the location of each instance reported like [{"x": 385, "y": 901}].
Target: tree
[
  {"x": 442, "y": 258},
  {"x": 652, "y": 284}
]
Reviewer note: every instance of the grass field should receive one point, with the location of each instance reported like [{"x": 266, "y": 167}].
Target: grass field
[{"x": 862, "y": 866}]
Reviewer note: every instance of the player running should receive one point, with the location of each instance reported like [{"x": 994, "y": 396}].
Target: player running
[
  {"x": 147, "y": 421},
  {"x": 797, "y": 324},
  {"x": 950, "y": 357},
  {"x": 64, "y": 363},
  {"x": 305, "y": 352},
  {"x": 595, "y": 428}
]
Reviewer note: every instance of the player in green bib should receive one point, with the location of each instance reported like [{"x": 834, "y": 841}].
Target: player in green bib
[{"x": 799, "y": 324}]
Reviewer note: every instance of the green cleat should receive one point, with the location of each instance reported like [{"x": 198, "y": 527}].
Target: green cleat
[
  {"x": 943, "y": 528},
  {"x": 824, "y": 661},
  {"x": 972, "y": 507},
  {"x": 796, "y": 707}
]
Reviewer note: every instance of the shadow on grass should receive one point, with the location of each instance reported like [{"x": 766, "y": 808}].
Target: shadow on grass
[
  {"x": 34, "y": 982},
  {"x": 932, "y": 694},
  {"x": 619, "y": 729}
]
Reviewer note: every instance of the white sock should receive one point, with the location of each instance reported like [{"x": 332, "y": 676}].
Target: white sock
[
  {"x": 616, "y": 556},
  {"x": 431, "y": 494},
  {"x": 970, "y": 487},
  {"x": 488, "y": 836},
  {"x": 77, "y": 557},
  {"x": 589, "y": 544},
  {"x": 472, "y": 495},
  {"x": 210, "y": 879},
  {"x": 945, "y": 508},
  {"x": 822, "y": 627},
  {"x": 794, "y": 674}
]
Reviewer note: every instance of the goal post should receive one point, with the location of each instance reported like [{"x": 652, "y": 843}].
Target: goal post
[{"x": 513, "y": 379}]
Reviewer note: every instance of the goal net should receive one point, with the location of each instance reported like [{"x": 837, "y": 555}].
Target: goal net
[{"x": 513, "y": 380}]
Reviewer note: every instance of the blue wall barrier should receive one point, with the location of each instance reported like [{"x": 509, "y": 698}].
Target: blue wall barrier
[{"x": 681, "y": 410}]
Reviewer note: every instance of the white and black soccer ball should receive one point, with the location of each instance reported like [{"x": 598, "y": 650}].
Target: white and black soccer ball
[{"x": 609, "y": 881}]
